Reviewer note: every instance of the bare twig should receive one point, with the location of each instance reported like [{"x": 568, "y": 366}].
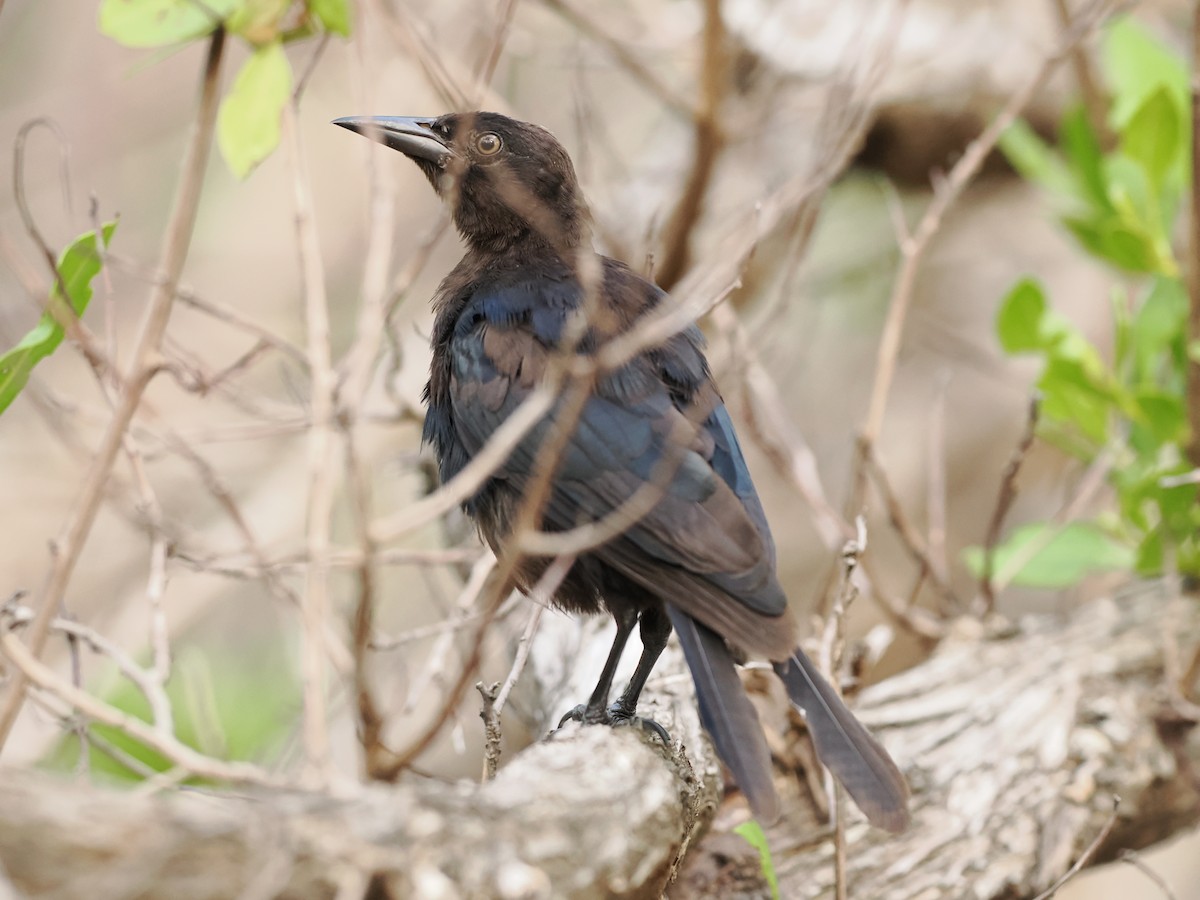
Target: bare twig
[
  {"x": 936, "y": 488},
  {"x": 1004, "y": 500},
  {"x": 491, "y": 728},
  {"x": 1132, "y": 858},
  {"x": 322, "y": 446},
  {"x": 83, "y": 515},
  {"x": 909, "y": 535},
  {"x": 709, "y": 140},
  {"x": 1094, "y": 100},
  {"x": 643, "y": 75},
  {"x": 1088, "y": 852},
  {"x": 1090, "y": 483},
  {"x": 914, "y": 246},
  {"x": 182, "y": 755}
]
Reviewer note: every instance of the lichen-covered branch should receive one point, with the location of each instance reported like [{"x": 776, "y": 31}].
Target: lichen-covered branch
[{"x": 1015, "y": 742}]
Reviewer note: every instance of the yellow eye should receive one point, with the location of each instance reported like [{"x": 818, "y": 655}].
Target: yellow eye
[{"x": 488, "y": 144}]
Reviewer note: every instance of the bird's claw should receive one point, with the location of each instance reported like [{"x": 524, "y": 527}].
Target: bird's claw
[{"x": 615, "y": 716}]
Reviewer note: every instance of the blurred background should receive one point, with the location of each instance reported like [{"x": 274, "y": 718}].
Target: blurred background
[{"x": 616, "y": 83}]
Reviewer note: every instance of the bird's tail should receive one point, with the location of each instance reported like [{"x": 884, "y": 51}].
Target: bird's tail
[
  {"x": 727, "y": 714},
  {"x": 845, "y": 746}
]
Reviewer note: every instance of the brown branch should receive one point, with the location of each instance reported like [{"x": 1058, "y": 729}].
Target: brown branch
[
  {"x": 1004, "y": 500},
  {"x": 909, "y": 535},
  {"x": 914, "y": 246},
  {"x": 70, "y": 543},
  {"x": 322, "y": 443},
  {"x": 1094, "y": 100},
  {"x": 709, "y": 140},
  {"x": 619, "y": 49}
]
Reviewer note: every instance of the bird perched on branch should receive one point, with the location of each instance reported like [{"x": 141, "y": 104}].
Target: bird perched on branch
[{"x": 646, "y": 449}]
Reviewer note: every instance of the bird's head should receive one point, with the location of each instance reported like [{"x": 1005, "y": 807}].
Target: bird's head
[{"x": 505, "y": 181}]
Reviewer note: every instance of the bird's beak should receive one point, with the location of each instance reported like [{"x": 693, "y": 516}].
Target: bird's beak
[{"x": 412, "y": 136}]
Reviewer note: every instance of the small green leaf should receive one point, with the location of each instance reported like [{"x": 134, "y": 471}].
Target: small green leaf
[
  {"x": 1074, "y": 552},
  {"x": 1082, "y": 147},
  {"x": 1116, "y": 242},
  {"x": 1021, "y": 322},
  {"x": 1162, "y": 415},
  {"x": 248, "y": 124},
  {"x": 1072, "y": 393},
  {"x": 1158, "y": 328},
  {"x": 1035, "y": 160},
  {"x": 752, "y": 833},
  {"x": 334, "y": 15},
  {"x": 77, "y": 265},
  {"x": 157, "y": 23},
  {"x": 1138, "y": 65},
  {"x": 1153, "y": 136}
]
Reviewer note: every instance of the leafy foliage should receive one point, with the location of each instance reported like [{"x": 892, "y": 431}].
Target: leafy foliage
[
  {"x": 249, "y": 123},
  {"x": 207, "y": 692},
  {"x": 77, "y": 266},
  {"x": 1121, "y": 205}
]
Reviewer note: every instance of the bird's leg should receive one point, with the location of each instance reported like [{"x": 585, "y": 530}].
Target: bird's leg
[
  {"x": 655, "y": 630},
  {"x": 596, "y": 712}
]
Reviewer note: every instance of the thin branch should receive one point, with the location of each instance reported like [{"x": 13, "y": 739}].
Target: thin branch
[
  {"x": 1131, "y": 857},
  {"x": 914, "y": 246},
  {"x": 180, "y": 754},
  {"x": 1094, "y": 100},
  {"x": 1004, "y": 500},
  {"x": 70, "y": 543},
  {"x": 322, "y": 445},
  {"x": 909, "y": 535},
  {"x": 1086, "y": 855},
  {"x": 936, "y": 482},
  {"x": 709, "y": 140},
  {"x": 644, "y": 76}
]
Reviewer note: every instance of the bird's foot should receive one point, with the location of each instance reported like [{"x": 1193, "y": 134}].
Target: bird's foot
[{"x": 615, "y": 716}]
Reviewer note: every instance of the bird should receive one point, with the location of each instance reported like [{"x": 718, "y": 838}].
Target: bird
[{"x": 698, "y": 556}]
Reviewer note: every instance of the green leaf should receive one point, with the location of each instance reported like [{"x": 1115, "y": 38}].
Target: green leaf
[
  {"x": 248, "y": 123},
  {"x": 156, "y": 23},
  {"x": 1153, "y": 135},
  {"x": 1083, "y": 150},
  {"x": 77, "y": 265},
  {"x": 1158, "y": 328},
  {"x": 753, "y": 834},
  {"x": 1138, "y": 65},
  {"x": 229, "y": 704},
  {"x": 334, "y": 15},
  {"x": 1162, "y": 414},
  {"x": 1116, "y": 242},
  {"x": 1021, "y": 321},
  {"x": 1072, "y": 393},
  {"x": 1074, "y": 552},
  {"x": 1034, "y": 160}
]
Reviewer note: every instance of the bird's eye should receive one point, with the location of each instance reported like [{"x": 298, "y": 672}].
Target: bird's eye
[{"x": 488, "y": 144}]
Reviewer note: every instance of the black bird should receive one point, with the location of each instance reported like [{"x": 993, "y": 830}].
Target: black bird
[{"x": 702, "y": 558}]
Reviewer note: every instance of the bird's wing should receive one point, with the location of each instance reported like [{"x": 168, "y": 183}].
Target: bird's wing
[{"x": 705, "y": 539}]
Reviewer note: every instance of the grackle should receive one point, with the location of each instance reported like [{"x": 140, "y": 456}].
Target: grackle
[{"x": 701, "y": 558}]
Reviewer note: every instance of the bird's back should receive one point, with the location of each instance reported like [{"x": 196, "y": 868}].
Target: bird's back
[{"x": 656, "y": 423}]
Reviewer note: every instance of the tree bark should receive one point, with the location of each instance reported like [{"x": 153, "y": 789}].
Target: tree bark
[{"x": 1014, "y": 741}]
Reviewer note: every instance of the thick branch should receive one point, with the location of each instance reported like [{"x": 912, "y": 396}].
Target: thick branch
[{"x": 1015, "y": 744}]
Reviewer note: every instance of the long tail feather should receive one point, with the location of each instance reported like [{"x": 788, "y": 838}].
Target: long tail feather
[
  {"x": 845, "y": 746},
  {"x": 727, "y": 714}
]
